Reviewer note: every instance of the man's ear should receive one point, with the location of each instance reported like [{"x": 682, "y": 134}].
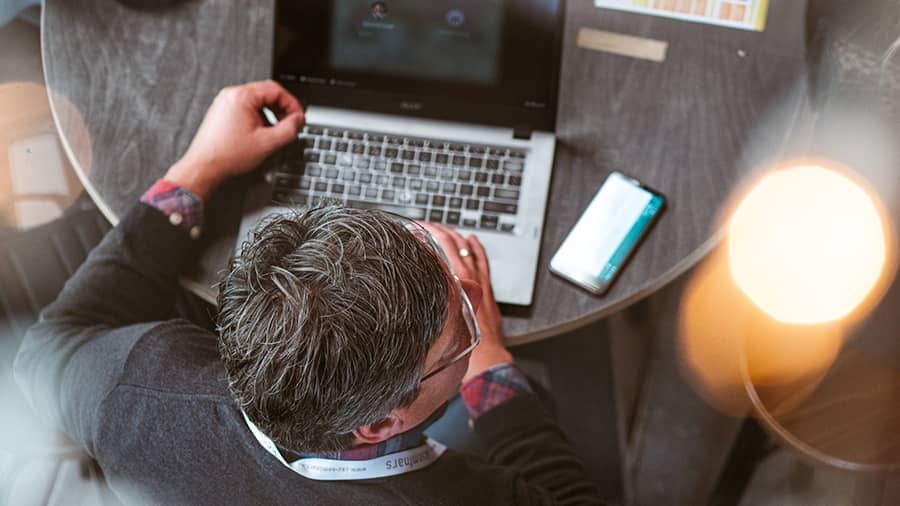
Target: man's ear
[{"x": 379, "y": 431}]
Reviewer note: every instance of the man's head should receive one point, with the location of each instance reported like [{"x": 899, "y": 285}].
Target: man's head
[{"x": 328, "y": 321}]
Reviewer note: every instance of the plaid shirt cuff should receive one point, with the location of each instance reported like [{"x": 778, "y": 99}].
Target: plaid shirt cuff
[
  {"x": 183, "y": 207},
  {"x": 492, "y": 388}
]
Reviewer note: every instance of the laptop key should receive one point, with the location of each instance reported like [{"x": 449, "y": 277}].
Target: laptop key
[
  {"x": 472, "y": 204},
  {"x": 447, "y": 174},
  {"x": 515, "y": 181},
  {"x": 375, "y": 151},
  {"x": 408, "y": 155},
  {"x": 478, "y": 150},
  {"x": 441, "y": 158},
  {"x": 492, "y": 164},
  {"x": 391, "y": 152},
  {"x": 424, "y": 156},
  {"x": 498, "y": 178},
  {"x": 458, "y": 148},
  {"x": 396, "y": 141},
  {"x": 337, "y": 188},
  {"x": 348, "y": 175},
  {"x": 331, "y": 173},
  {"x": 459, "y": 161},
  {"x": 413, "y": 170},
  {"x": 449, "y": 188},
  {"x": 356, "y": 136},
  {"x": 345, "y": 160},
  {"x": 305, "y": 183},
  {"x": 324, "y": 144},
  {"x": 314, "y": 130},
  {"x": 481, "y": 177},
  {"x": 476, "y": 163},
  {"x": 355, "y": 191},
  {"x": 432, "y": 186},
  {"x": 430, "y": 171},
  {"x": 330, "y": 159},
  {"x": 483, "y": 191},
  {"x": 438, "y": 201},
  {"x": 320, "y": 186},
  {"x": 513, "y": 166},
  {"x": 365, "y": 177},
  {"x": 362, "y": 163},
  {"x": 380, "y": 165},
  {"x": 501, "y": 193},
  {"x": 489, "y": 222},
  {"x": 371, "y": 193},
  {"x": 358, "y": 148},
  {"x": 470, "y": 223},
  {"x": 507, "y": 227},
  {"x": 464, "y": 175},
  {"x": 313, "y": 170},
  {"x": 397, "y": 168},
  {"x": 452, "y": 218},
  {"x": 422, "y": 199},
  {"x": 311, "y": 156},
  {"x": 416, "y": 184},
  {"x": 387, "y": 195},
  {"x": 375, "y": 138},
  {"x": 415, "y": 142},
  {"x": 500, "y": 207},
  {"x": 466, "y": 190},
  {"x": 455, "y": 202},
  {"x": 436, "y": 215},
  {"x": 398, "y": 182},
  {"x": 516, "y": 154}
]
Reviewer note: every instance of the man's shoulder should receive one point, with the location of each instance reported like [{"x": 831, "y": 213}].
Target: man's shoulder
[{"x": 175, "y": 358}]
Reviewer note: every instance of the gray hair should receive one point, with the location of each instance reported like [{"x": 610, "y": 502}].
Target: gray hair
[{"x": 324, "y": 323}]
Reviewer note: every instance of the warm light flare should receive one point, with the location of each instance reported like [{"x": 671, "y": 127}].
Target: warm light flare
[{"x": 807, "y": 245}]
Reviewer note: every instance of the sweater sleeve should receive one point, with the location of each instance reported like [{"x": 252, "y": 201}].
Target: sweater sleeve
[
  {"x": 520, "y": 434},
  {"x": 72, "y": 358}
]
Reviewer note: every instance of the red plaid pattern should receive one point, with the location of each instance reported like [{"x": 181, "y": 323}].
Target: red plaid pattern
[
  {"x": 170, "y": 198},
  {"x": 492, "y": 388}
]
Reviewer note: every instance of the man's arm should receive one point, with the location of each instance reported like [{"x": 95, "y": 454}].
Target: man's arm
[
  {"x": 505, "y": 414},
  {"x": 72, "y": 358}
]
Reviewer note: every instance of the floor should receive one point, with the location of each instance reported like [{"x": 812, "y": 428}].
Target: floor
[{"x": 574, "y": 368}]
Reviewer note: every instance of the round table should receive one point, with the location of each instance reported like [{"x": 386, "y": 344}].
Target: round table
[{"x": 140, "y": 80}]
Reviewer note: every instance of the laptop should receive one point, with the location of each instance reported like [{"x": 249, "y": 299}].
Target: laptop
[{"x": 441, "y": 111}]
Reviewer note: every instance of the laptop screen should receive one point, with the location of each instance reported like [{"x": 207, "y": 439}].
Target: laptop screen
[{"x": 489, "y": 61}]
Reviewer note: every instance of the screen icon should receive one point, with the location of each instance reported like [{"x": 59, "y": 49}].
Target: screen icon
[
  {"x": 455, "y": 18},
  {"x": 378, "y": 10}
]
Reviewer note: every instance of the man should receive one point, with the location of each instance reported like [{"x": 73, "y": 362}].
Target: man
[{"x": 342, "y": 335}]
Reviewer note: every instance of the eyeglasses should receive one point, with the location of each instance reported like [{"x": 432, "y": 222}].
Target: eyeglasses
[{"x": 468, "y": 312}]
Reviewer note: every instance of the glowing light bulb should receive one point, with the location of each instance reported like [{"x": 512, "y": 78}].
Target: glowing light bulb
[{"x": 806, "y": 245}]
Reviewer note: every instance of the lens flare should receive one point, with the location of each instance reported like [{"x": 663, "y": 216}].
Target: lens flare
[{"x": 807, "y": 245}]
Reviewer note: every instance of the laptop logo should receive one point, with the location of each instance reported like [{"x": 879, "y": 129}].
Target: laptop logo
[{"x": 411, "y": 106}]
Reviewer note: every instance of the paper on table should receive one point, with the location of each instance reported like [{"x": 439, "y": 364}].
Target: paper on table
[{"x": 743, "y": 14}]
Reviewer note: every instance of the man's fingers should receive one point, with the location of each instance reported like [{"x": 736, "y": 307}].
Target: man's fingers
[
  {"x": 481, "y": 259},
  {"x": 271, "y": 93},
  {"x": 282, "y": 133}
]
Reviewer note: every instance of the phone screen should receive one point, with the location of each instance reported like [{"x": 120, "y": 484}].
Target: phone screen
[{"x": 607, "y": 233}]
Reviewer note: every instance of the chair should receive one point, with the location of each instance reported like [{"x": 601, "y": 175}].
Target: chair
[{"x": 34, "y": 266}]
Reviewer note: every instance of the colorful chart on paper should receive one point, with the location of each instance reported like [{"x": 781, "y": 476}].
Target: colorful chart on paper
[{"x": 744, "y": 14}]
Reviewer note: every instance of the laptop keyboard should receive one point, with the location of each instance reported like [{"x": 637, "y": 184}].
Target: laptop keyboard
[{"x": 462, "y": 185}]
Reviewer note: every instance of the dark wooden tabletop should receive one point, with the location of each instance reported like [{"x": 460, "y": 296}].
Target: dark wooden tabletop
[{"x": 129, "y": 87}]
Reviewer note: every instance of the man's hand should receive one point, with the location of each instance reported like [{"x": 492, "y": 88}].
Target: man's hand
[
  {"x": 475, "y": 268},
  {"x": 233, "y": 138}
]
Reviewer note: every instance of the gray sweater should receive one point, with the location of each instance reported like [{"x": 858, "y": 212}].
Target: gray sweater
[{"x": 146, "y": 395}]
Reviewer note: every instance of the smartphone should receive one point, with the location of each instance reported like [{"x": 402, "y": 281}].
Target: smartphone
[{"x": 607, "y": 234}]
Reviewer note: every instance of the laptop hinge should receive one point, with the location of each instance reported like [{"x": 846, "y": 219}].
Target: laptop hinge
[{"x": 522, "y": 132}]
